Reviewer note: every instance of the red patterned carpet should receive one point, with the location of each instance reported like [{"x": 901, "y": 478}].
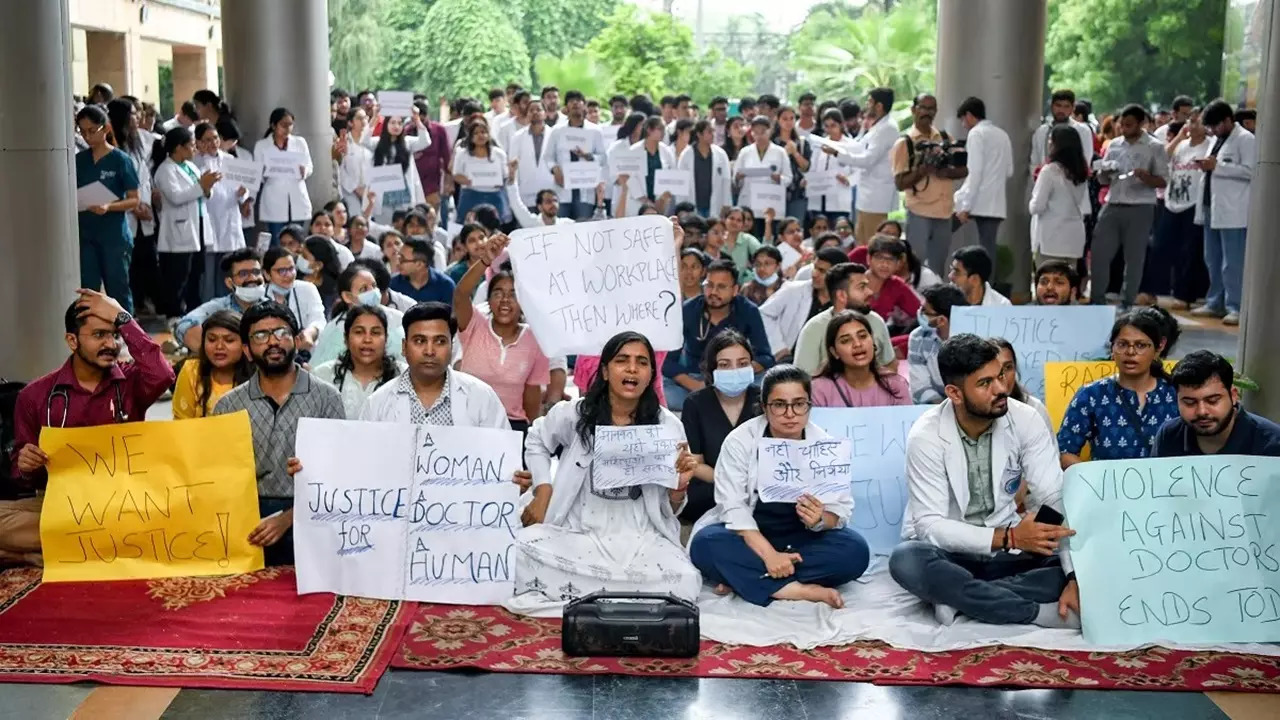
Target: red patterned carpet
[
  {"x": 443, "y": 637},
  {"x": 243, "y": 631}
]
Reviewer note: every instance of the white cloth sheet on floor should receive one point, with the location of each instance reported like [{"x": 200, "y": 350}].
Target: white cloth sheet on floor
[{"x": 876, "y": 608}]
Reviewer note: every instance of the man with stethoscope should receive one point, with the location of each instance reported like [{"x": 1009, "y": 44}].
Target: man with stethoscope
[{"x": 91, "y": 388}]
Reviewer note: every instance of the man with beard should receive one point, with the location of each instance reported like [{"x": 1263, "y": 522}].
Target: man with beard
[
  {"x": 848, "y": 288},
  {"x": 966, "y": 459},
  {"x": 276, "y": 397},
  {"x": 576, "y": 141},
  {"x": 1212, "y": 421},
  {"x": 927, "y": 187},
  {"x": 243, "y": 277},
  {"x": 1057, "y": 283},
  {"x": 91, "y": 388},
  {"x": 1062, "y": 105}
]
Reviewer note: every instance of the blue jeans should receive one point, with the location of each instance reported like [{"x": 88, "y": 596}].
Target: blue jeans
[
  {"x": 1002, "y": 589},
  {"x": 675, "y": 393},
  {"x": 468, "y": 199},
  {"x": 104, "y": 263},
  {"x": 830, "y": 558},
  {"x": 1224, "y": 256},
  {"x": 798, "y": 209},
  {"x": 577, "y": 208}
]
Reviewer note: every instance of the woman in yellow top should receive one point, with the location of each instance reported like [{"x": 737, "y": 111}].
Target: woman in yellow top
[{"x": 221, "y": 366}]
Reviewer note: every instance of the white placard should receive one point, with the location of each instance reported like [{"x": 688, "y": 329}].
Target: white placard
[
  {"x": 384, "y": 179},
  {"x": 285, "y": 164},
  {"x": 677, "y": 182},
  {"x": 245, "y": 174},
  {"x": 423, "y": 513},
  {"x": 635, "y": 455},
  {"x": 580, "y": 284},
  {"x": 756, "y": 172},
  {"x": 828, "y": 142},
  {"x": 95, "y": 193},
  {"x": 820, "y": 182},
  {"x": 575, "y": 139},
  {"x": 629, "y": 162},
  {"x": 789, "y": 255},
  {"x": 583, "y": 175},
  {"x": 790, "y": 468},
  {"x": 395, "y": 103},
  {"x": 485, "y": 175},
  {"x": 763, "y": 196}
]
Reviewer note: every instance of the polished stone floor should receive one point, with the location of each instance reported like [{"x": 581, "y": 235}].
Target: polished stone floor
[{"x": 441, "y": 696}]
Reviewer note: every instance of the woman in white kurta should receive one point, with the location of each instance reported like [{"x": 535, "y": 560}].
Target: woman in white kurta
[
  {"x": 226, "y": 205},
  {"x": 580, "y": 539}
]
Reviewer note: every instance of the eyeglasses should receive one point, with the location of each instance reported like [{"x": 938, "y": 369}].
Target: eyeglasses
[
  {"x": 780, "y": 407},
  {"x": 286, "y": 271},
  {"x": 1134, "y": 348},
  {"x": 502, "y": 295},
  {"x": 248, "y": 274},
  {"x": 261, "y": 336}
]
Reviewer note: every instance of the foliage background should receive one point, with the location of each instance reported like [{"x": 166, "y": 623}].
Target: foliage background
[{"x": 1110, "y": 51}]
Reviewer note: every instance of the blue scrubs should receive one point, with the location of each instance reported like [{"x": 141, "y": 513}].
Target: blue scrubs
[{"x": 106, "y": 244}]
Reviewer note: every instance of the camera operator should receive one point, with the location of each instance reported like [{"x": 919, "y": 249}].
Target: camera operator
[{"x": 925, "y": 165}]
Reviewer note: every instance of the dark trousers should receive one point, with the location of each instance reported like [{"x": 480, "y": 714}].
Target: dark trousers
[
  {"x": 831, "y": 559},
  {"x": 999, "y": 589},
  {"x": 175, "y": 273},
  {"x": 281, "y": 553},
  {"x": 144, "y": 271},
  {"x": 104, "y": 263}
]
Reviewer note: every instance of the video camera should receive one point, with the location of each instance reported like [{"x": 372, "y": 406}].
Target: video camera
[{"x": 940, "y": 155}]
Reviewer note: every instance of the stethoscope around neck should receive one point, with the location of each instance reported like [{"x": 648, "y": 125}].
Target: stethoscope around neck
[{"x": 60, "y": 391}]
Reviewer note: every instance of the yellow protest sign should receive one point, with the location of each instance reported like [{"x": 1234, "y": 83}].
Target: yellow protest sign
[{"x": 149, "y": 500}]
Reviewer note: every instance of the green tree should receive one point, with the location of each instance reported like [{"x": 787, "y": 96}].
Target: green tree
[
  {"x": 1146, "y": 51},
  {"x": 558, "y": 28},
  {"x": 713, "y": 74},
  {"x": 577, "y": 71},
  {"x": 646, "y": 52},
  {"x": 841, "y": 55},
  {"x": 748, "y": 40},
  {"x": 459, "y": 48},
  {"x": 359, "y": 41}
]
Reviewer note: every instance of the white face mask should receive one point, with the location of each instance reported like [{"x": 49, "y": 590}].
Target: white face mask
[
  {"x": 251, "y": 293},
  {"x": 303, "y": 265}
]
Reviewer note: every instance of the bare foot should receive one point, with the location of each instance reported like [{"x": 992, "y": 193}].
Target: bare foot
[
  {"x": 722, "y": 589},
  {"x": 813, "y": 593}
]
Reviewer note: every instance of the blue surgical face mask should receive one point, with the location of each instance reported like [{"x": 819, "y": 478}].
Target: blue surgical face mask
[
  {"x": 370, "y": 298},
  {"x": 280, "y": 289},
  {"x": 766, "y": 281},
  {"x": 251, "y": 294},
  {"x": 733, "y": 381},
  {"x": 922, "y": 318}
]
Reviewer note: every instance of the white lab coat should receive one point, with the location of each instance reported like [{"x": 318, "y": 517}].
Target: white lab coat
[
  {"x": 721, "y": 177},
  {"x": 786, "y": 312},
  {"x": 990, "y": 167},
  {"x": 1022, "y": 449},
  {"x": 506, "y": 130},
  {"x": 839, "y": 199},
  {"x": 736, "y": 479},
  {"x": 303, "y": 299},
  {"x": 223, "y": 208},
  {"x": 473, "y": 402},
  {"x": 1229, "y": 193},
  {"x": 412, "y": 183},
  {"x": 180, "y": 220},
  {"x": 532, "y": 173},
  {"x": 871, "y": 153},
  {"x": 775, "y": 158},
  {"x": 525, "y": 218},
  {"x": 142, "y": 166},
  {"x": 244, "y": 153},
  {"x": 636, "y": 184},
  {"x": 558, "y": 155},
  {"x": 1058, "y": 208},
  {"x": 351, "y": 175},
  {"x": 283, "y": 199},
  {"x": 1040, "y": 143}
]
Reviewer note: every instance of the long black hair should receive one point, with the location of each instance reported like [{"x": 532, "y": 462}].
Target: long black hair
[
  {"x": 391, "y": 150},
  {"x": 1069, "y": 153},
  {"x": 1017, "y": 392},
  {"x": 120, "y": 116},
  {"x": 834, "y": 366},
  {"x": 346, "y": 364},
  {"x": 729, "y": 148},
  {"x": 779, "y": 374},
  {"x": 1155, "y": 323},
  {"x": 276, "y": 116},
  {"x": 595, "y": 410},
  {"x": 346, "y": 279},
  {"x": 225, "y": 320},
  {"x": 721, "y": 341}
]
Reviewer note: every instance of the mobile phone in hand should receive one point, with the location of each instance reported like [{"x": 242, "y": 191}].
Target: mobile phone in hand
[{"x": 1049, "y": 516}]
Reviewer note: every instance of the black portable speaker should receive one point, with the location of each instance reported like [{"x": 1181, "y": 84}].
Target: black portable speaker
[{"x": 605, "y": 624}]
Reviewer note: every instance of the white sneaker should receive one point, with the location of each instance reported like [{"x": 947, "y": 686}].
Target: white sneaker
[
  {"x": 1231, "y": 318},
  {"x": 1206, "y": 311},
  {"x": 945, "y": 614}
]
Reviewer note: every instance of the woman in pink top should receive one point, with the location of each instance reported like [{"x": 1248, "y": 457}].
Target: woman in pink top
[
  {"x": 851, "y": 377},
  {"x": 500, "y": 349}
]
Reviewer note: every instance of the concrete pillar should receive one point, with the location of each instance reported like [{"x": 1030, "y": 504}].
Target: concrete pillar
[
  {"x": 994, "y": 50},
  {"x": 266, "y": 67},
  {"x": 39, "y": 251},
  {"x": 1260, "y": 325}
]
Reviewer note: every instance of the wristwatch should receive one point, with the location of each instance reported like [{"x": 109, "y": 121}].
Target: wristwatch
[{"x": 122, "y": 319}]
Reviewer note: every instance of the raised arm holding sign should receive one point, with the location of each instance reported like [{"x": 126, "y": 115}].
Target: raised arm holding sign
[{"x": 581, "y": 284}]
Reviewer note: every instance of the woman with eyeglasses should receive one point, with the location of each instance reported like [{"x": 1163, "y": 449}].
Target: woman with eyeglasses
[
  {"x": 280, "y": 267},
  {"x": 499, "y": 349},
  {"x": 766, "y": 551},
  {"x": 220, "y": 366},
  {"x": 105, "y": 238},
  {"x": 580, "y": 537},
  {"x": 227, "y": 204},
  {"x": 1119, "y": 416}
]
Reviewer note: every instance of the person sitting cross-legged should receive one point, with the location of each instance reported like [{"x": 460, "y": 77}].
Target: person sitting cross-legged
[
  {"x": 767, "y": 551},
  {"x": 966, "y": 460}
]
